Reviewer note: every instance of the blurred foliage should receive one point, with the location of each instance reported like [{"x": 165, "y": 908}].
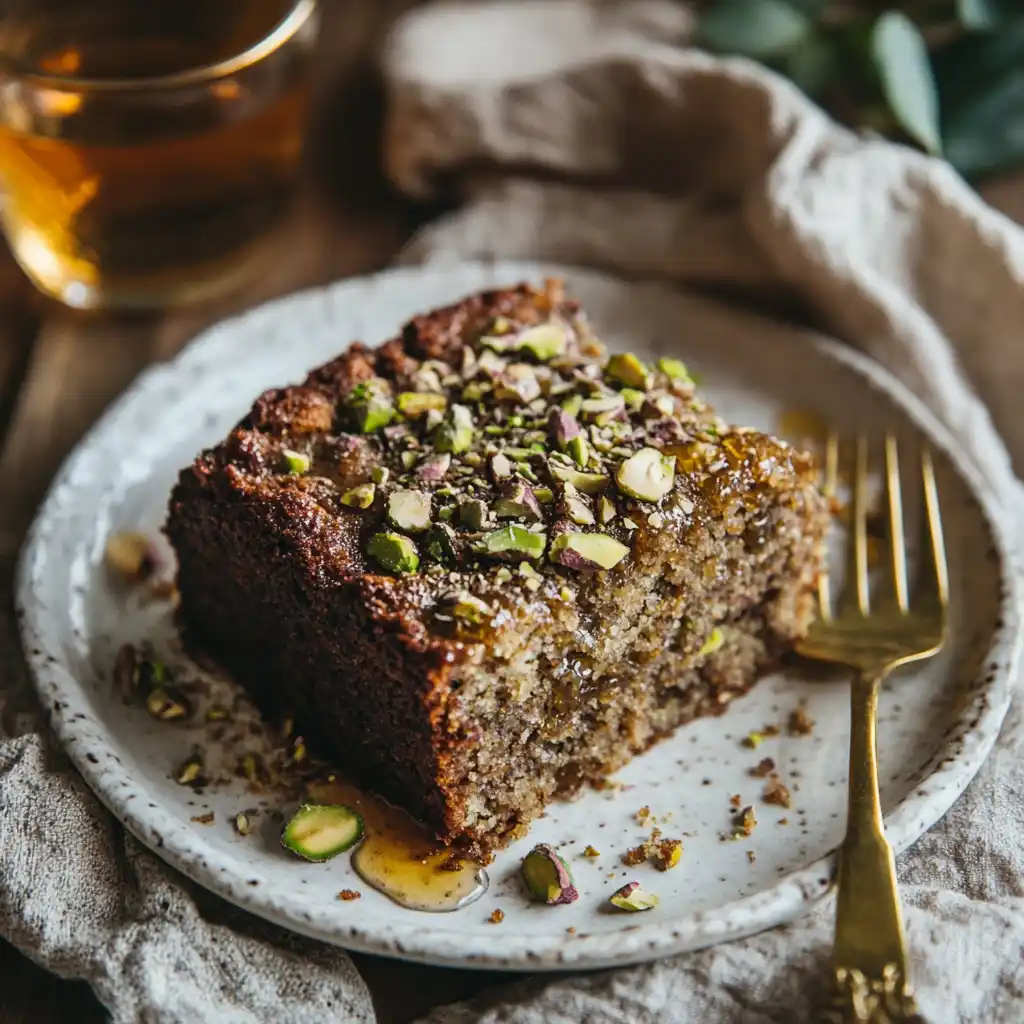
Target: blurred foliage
[{"x": 945, "y": 75}]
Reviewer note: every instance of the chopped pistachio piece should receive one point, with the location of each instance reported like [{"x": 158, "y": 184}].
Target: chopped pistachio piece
[
  {"x": 501, "y": 467},
  {"x": 606, "y": 510},
  {"x": 296, "y": 462},
  {"x": 675, "y": 369},
  {"x": 132, "y": 555},
  {"x": 370, "y": 405},
  {"x": 243, "y": 826},
  {"x": 587, "y": 552},
  {"x": 588, "y": 483},
  {"x": 473, "y": 514},
  {"x": 633, "y": 398},
  {"x": 518, "y": 502},
  {"x": 603, "y": 408},
  {"x": 317, "y": 832},
  {"x": 543, "y": 342},
  {"x": 513, "y": 542},
  {"x": 713, "y": 642},
  {"x": 434, "y": 469},
  {"x": 547, "y": 877},
  {"x": 408, "y": 459},
  {"x": 441, "y": 544},
  {"x": 413, "y": 404},
  {"x": 409, "y": 510},
  {"x": 190, "y": 771},
  {"x": 360, "y": 497},
  {"x": 380, "y": 475},
  {"x": 471, "y": 609},
  {"x": 576, "y": 507},
  {"x": 633, "y": 897},
  {"x": 394, "y": 552},
  {"x": 627, "y": 369},
  {"x": 648, "y": 475},
  {"x": 168, "y": 704},
  {"x": 544, "y": 495},
  {"x": 573, "y": 404},
  {"x": 563, "y": 427},
  {"x": 578, "y": 450},
  {"x": 456, "y": 433}
]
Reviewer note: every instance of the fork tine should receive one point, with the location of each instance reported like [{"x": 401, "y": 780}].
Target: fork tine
[
  {"x": 831, "y": 484},
  {"x": 859, "y": 564},
  {"x": 897, "y": 542},
  {"x": 937, "y": 543}
]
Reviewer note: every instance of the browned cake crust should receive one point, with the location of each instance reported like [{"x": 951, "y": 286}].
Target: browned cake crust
[{"x": 477, "y": 688}]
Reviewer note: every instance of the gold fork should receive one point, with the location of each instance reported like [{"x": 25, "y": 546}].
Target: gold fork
[{"x": 869, "y": 954}]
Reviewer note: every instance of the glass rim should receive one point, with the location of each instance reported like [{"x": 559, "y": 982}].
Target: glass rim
[{"x": 289, "y": 26}]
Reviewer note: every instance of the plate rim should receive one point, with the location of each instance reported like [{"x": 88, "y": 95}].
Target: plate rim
[{"x": 792, "y": 895}]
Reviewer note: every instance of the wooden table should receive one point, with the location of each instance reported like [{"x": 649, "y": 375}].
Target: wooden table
[{"x": 59, "y": 370}]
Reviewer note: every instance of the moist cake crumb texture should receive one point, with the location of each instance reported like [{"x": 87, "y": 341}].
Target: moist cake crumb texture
[{"x": 487, "y": 563}]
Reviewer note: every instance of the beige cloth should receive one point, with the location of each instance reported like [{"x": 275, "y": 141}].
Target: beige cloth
[{"x": 587, "y": 133}]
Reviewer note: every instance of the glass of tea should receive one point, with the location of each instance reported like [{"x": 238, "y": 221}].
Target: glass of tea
[{"x": 147, "y": 149}]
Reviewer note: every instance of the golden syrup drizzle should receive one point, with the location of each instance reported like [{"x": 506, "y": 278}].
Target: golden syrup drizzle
[{"x": 395, "y": 854}]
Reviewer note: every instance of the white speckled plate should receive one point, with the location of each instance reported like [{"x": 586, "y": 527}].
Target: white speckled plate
[{"x": 938, "y": 721}]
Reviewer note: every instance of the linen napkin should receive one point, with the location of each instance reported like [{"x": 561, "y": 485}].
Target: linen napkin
[{"x": 587, "y": 133}]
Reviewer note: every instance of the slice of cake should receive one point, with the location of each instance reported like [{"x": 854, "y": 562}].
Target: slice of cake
[{"x": 486, "y": 563}]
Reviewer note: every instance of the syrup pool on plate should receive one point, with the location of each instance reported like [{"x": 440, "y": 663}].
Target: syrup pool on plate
[{"x": 397, "y": 856}]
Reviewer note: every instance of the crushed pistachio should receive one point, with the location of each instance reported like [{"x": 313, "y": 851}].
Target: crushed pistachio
[
  {"x": 713, "y": 643},
  {"x": 190, "y": 771},
  {"x": 518, "y": 502},
  {"x": 472, "y": 609},
  {"x": 543, "y": 342},
  {"x": 243, "y": 826},
  {"x": 512, "y": 542},
  {"x": 456, "y": 433},
  {"x": 413, "y": 404},
  {"x": 587, "y": 552},
  {"x": 627, "y": 369},
  {"x": 296, "y": 462},
  {"x": 675, "y": 369},
  {"x": 588, "y": 483},
  {"x": 409, "y": 511},
  {"x": 591, "y": 852},
  {"x": 394, "y": 552},
  {"x": 360, "y": 497},
  {"x": 753, "y": 740},
  {"x": 633, "y": 897},
  {"x": 132, "y": 556},
  {"x": 648, "y": 475},
  {"x": 547, "y": 877},
  {"x": 168, "y": 704},
  {"x": 369, "y": 404}
]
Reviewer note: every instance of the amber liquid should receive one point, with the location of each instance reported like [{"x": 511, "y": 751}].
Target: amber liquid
[
  {"x": 397, "y": 857},
  {"x": 139, "y": 197}
]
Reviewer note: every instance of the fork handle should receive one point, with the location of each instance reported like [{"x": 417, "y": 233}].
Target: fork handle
[{"x": 869, "y": 955}]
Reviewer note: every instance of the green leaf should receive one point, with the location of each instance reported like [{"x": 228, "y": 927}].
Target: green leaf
[
  {"x": 754, "y": 28},
  {"x": 987, "y": 132},
  {"x": 813, "y": 65},
  {"x": 972, "y": 65},
  {"x": 983, "y": 15},
  {"x": 900, "y": 56}
]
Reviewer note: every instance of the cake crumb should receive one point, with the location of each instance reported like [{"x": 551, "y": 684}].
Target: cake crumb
[
  {"x": 643, "y": 814},
  {"x": 637, "y": 855},
  {"x": 783, "y": 821},
  {"x": 591, "y": 852},
  {"x": 735, "y": 800},
  {"x": 771, "y": 730},
  {"x": 204, "y": 819},
  {"x": 669, "y": 853},
  {"x": 349, "y": 894},
  {"x": 751, "y": 856},
  {"x": 776, "y": 792},
  {"x": 497, "y": 916},
  {"x": 571, "y": 930},
  {"x": 764, "y": 768},
  {"x": 800, "y": 723}
]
